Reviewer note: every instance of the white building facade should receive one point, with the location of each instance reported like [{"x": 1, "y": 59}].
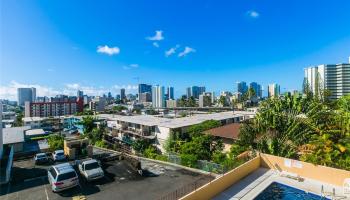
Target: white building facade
[
  {"x": 333, "y": 77},
  {"x": 158, "y": 97}
]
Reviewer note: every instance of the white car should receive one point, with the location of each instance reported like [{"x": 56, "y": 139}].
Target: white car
[
  {"x": 62, "y": 177},
  {"x": 58, "y": 155},
  {"x": 90, "y": 169}
]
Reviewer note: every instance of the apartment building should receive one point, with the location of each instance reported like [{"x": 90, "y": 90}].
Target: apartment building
[
  {"x": 126, "y": 129},
  {"x": 332, "y": 77},
  {"x": 53, "y": 108}
]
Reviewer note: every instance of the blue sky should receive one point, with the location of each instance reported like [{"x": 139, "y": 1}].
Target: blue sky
[{"x": 99, "y": 46}]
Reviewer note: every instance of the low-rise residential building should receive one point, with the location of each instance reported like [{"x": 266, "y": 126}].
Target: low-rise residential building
[
  {"x": 15, "y": 136},
  {"x": 129, "y": 128},
  {"x": 205, "y": 99},
  {"x": 171, "y": 103},
  {"x": 228, "y": 133}
]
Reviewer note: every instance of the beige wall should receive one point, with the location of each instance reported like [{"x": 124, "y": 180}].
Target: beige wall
[
  {"x": 218, "y": 185},
  {"x": 307, "y": 170}
]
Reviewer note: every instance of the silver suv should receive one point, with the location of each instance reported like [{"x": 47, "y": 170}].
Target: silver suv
[{"x": 62, "y": 177}]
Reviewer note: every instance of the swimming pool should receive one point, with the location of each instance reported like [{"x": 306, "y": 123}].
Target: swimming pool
[{"x": 280, "y": 191}]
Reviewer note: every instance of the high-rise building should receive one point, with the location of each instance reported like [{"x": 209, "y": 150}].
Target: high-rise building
[
  {"x": 145, "y": 97},
  {"x": 143, "y": 88},
  {"x": 188, "y": 92},
  {"x": 242, "y": 87},
  {"x": 26, "y": 94},
  {"x": 195, "y": 91},
  {"x": 122, "y": 94},
  {"x": 170, "y": 93},
  {"x": 80, "y": 93},
  {"x": 158, "y": 97},
  {"x": 334, "y": 78},
  {"x": 257, "y": 89},
  {"x": 273, "y": 90}
]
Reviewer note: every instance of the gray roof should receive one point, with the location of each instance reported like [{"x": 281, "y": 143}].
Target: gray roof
[
  {"x": 14, "y": 134},
  {"x": 149, "y": 120}
]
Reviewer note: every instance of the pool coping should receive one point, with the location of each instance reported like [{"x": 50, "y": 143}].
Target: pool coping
[{"x": 252, "y": 185}]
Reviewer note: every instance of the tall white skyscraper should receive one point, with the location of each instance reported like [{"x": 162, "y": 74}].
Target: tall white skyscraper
[
  {"x": 158, "y": 96},
  {"x": 332, "y": 77}
]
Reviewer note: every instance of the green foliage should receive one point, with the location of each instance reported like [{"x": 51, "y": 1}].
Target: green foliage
[
  {"x": 309, "y": 128},
  {"x": 187, "y": 102},
  {"x": 101, "y": 143},
  {"x": 202, "y": 146},
  {"x": 19, "y": 118},
  {"x": 198, "y": 129},
  {"x": 88, "y": 123},
  {"x": 189, "y": 160},
  {"x": 55, "y": 142},
  {"x": 119, "y": 108},
  {"x": 150, "y": 152},
  {"x": 222, "y": 101},
  {"x": 141, "y": 145}
]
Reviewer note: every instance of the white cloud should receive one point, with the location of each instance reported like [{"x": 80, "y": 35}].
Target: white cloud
[
  {"x": 155, "y": 44},
  {"x": 157, "y": 37},
  {"x": 171, "y": 51},
  {"x": 10, "y": 91},
  {"x": 131, "y": 66},
  {"x": 128, "y": 88},
  {"x": 186, "y": 51},
  {"x": 253, "y": 14},
  {"x": 108, "y": 50}
]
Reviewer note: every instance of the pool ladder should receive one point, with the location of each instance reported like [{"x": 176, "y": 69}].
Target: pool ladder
[{"x": 324, "y": 194}]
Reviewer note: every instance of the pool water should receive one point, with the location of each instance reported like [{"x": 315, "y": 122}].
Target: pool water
[{"x": 280, "y": 191}]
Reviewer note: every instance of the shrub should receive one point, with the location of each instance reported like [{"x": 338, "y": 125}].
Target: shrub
[{"x": 55, "y": 142}]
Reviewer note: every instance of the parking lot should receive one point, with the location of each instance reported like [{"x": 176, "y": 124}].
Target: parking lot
[{"x": 121, "y": 181}]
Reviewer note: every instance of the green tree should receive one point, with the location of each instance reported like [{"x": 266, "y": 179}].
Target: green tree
[
  {"x": 55, "y": 142},
  {"x": 222, "y": 101},
  {"x": 88, "y": 124},
  {"x": 140, "y": 145}
]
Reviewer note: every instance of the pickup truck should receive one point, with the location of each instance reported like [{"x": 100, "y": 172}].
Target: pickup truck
[{"x": 90, "y": 169}]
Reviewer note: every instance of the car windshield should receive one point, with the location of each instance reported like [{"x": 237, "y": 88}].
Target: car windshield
[
  {"x": 90, "y": 166},
  {"x": 59, "y": 153},
  {"x": 41, "y": 156},
  {"x": 66, "y": 176}
]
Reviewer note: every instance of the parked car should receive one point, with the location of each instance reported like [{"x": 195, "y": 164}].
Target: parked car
[
  {"x": 41, "y": 158},
  {"x": 90, "y": 169},
  {"x": 58, "y": 155},
  {"x": 62, "y": 177}
]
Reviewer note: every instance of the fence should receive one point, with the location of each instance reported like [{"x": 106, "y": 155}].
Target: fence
[
  {"x": 186, "y": 189},
  {"x": 200, "y": 164}
]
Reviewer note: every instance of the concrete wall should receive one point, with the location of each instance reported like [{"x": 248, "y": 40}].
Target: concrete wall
[
  {"x": 218, "y": 185},
  {"x": 307, "y": 170}
]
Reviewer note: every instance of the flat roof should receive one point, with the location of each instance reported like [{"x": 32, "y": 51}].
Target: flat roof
[
  {"x": 33, "y": 132},
  {"x": 149, "y": 120},
  {"x": 14, "y": 134},
  {"x": 30, "y": 119}
]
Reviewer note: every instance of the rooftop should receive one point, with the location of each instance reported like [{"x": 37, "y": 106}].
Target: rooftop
[
  {"x": 149, "y": 120},
  {"x": 14, "y": 134},
  {"x": 229, "y": 131},
  {"x": 34, "y": 132},
  {"x": 252, "y": 178}
]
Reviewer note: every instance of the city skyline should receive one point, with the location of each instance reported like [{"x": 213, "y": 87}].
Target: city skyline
[{"x": 110, "y": 51}]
